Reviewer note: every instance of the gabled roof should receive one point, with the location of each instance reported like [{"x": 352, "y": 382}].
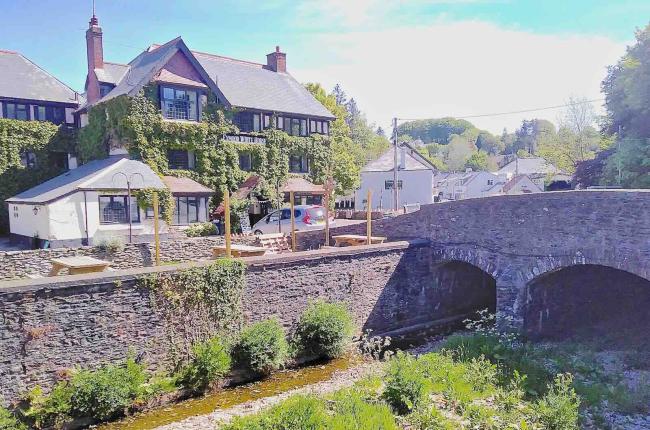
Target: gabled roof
[
  {"x": 238, "y": 83},
  {"x": 517, "y": 179},
  {"x": 105, "y": 174},
  {"x": 112, "y": 73},
  {"x": 145, "y": 66},
  {"x": 22, "y": 79},
  {"x": 385, "y": 163},
  {"x": 526, "y": 166}
]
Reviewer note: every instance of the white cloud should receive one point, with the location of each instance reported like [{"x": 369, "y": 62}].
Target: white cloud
[{"x": 456, "y": 69}]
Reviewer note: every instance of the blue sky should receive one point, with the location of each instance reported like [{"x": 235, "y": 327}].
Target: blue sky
[{"x": 406, "y": 58}]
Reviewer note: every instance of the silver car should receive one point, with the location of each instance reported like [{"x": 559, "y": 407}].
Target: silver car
[{"x": 307, "y": 217}]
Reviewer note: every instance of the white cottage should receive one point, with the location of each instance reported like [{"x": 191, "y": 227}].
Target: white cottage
[
  {"x": 84, "y": 206},
  {"x": 415, "y": 179}
]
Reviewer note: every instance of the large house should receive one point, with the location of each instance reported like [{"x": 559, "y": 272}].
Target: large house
[
  {"x": 471, "y": 185},
  {"x": 414, "y": 182},
  {"x": 538, "y": 170},
  {"x": 260, "y": 95}
]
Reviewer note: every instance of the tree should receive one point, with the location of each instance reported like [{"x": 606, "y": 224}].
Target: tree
[
  {"x": 589, "y": 173},
  {"x": 459, "y": 150},
  {"x": 339, "y": 95},
  {"x": 437, "y": 130},
  {"x": 353, "y": 111},
  {"x": 477, "y": 161},
  {"x": 528, "y": 136},
  {"x": 380, "y": 132},
  {"x": 489, "y": 143},
  {"x": 627, "y": 100}
]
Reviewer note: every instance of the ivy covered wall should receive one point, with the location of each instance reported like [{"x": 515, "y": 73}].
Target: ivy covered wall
[
  {"x": 136, "y": 123},
  {"x": 49, "y": 144}
]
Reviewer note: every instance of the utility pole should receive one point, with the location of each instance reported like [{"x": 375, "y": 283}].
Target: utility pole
[
  {"x": 395, "y": 196},
  {"x": 618, "y": 156}
]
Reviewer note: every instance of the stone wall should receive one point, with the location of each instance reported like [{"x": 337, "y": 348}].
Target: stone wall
[
  {"x": 84, "y": 320},
  {"x": 20, "y": 264}
]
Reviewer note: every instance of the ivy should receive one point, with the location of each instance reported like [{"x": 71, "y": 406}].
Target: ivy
[
  {"x": 197, "y": 303},
  {"x": 166, "y": 201},
  {"x": 44, "y": 139}
]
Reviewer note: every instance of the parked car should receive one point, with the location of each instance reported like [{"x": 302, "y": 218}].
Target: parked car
[{"x": 308, "y": 217}]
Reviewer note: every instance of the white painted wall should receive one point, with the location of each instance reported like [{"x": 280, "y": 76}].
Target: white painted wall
[
  {"x": 417, "y": 187},
  {"x": 525, "y": 185},
  {"x": 64, "y": 219},
  {"x": 478, "y": 186},
  {"x": 24, "y": 222}
]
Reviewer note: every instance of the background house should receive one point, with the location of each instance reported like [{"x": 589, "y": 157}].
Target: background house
[
  {"x": 415, "y": 179},
  {"x": 541, "y": 172},
  {"x": 468, "y": 185}
]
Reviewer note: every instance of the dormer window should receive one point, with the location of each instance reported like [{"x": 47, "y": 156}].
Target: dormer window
[
  {"x": 179, "y": 103},
  {"x": 105, "y": 88}
]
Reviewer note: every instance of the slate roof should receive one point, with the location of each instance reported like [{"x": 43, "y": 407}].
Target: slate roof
[
  {"x": 186, "y": 186},
  {"x": 22, "y": 79},
  {"x": 527, "y": 166},
  {"x": 254, "y": 86},
  {"x": 414, "y": 160},
  {"x": 95, "y": 175},
  {"x": 112, "y": 73},
  {"x": 239, "y": 83}
]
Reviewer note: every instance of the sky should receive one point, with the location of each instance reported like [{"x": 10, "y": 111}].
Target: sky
[{"x": 404, "y": 59}]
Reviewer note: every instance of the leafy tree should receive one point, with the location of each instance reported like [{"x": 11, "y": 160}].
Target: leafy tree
[
  {"x": 528, "y": 136},
  {"x": 339, "y": 95},
  {"x": 627, "y": 99},
  {"x": 353, "y": 111},
  {"x": 437, "y": 130},
  {"x": 589, "y": 173},
  {"x": 477, "y": 161},
  {"x": 489, "y": 143},
  {"x": 459, "y": 150},
  {"x": 508, "y": 142},
  {"x": 380, "y": 132}
]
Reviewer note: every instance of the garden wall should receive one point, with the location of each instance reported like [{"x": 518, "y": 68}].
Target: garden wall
[{"x": 20, "y": 264}]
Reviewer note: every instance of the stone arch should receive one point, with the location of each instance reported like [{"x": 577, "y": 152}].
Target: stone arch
[
  {"x": 587, "y": 300},
  {"x": 465, "y": 288}
]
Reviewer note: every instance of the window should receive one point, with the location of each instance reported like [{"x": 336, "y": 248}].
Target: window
[
  {"x": 388, "y": 185},
  {"x": 54, "y": 114},
  {"x": 303, "y": 127},
  {"x": 105, "y": 89},
  {"x": 113, "y": 210},
  {"x": 326, "y": 127},
  {"x": 267, "y": 121},
  {"x": 28, "y": 159},
  {"x": 187, "y": 210},
  {"x": 179, "y": 104},
  {"x": 280, "y": 123},
  {"x": 256, "y": 122},
  {"x": 246, "y": 161},
  {"x": 298, "y": 164},
  {"x": 317, "y": 126},
  {"x": 17, "y": 111},
  {"x": 295, "y": 127},
  {"x": 490, "y": 181},
  {"x": 180, "y": 159},
  {"x": 244, "y": 121}
]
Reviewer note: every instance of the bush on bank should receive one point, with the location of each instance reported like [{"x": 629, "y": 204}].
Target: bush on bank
[
  {"x": 262, "y": 347},
  {"x": 324, "y": 330},
  {"x": 210, "y": 362}
]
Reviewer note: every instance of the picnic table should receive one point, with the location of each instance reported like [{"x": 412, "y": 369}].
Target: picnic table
[
  {"x": 356, "y": 239},
  {"x": 238, "y": 251},
  {"x": 78, "y": 265}
]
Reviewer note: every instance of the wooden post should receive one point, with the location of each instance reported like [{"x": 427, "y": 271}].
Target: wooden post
[
  {"x": 226, "y": 207},
  {"x": 155, "y": 227},
  {"x": 293, "y": 224},
  {"x": 328, "y": 193},
  {"x": 369, "y": 218}
]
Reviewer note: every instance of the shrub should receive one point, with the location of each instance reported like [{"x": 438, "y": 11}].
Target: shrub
[
  {"x": 298, "y": 412},
  {"x": 111, "y": 245},
  {"x": 46, "y": 411},
  {"x": 558, "y": 409},
  {"x": 107, "y": 392},
  {"x": 201, "y": 229},
  {"x": 210, "y": 362},
  {"x": 352, "y": 412},
  {"x": 262, "y": 347},
  {"x": 9, "y": 422},
  {"x": 324, "y": 329},
  {"x": 429, "y": 418},
  {"x": 406, "y": 383}
]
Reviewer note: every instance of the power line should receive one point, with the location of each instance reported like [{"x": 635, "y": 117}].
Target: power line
[{"x": 513, "y": 112}]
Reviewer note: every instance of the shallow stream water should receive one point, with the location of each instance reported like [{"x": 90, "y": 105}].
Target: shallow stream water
[{"x": 277, "y": 383}]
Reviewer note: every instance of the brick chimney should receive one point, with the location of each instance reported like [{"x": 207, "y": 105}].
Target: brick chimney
[
  {"x": 95, "y": 53},
  {"x": 277, "y": 61}
]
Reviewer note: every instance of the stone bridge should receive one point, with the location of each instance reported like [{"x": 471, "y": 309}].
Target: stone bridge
[{"x": 556, "y": 260}]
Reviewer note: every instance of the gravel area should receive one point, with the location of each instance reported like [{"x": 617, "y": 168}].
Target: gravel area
[{"x": 341, "y": 379}]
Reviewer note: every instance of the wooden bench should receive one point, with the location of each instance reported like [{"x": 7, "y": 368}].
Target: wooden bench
[
  {"x": 237, "y": 250},
  {"x": 356, "y": 240},
  {"x": 274, "y": 243},
  {"x": 78, "y": 265}
]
